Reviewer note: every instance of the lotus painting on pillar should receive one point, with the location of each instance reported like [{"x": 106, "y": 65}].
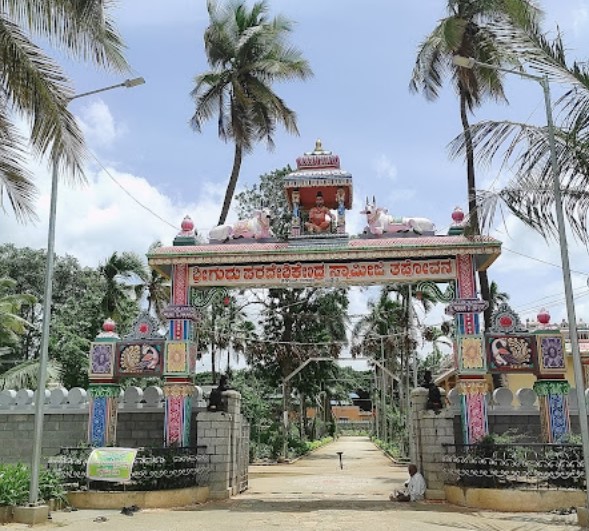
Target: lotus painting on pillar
[{"x": 471, "y": 354}]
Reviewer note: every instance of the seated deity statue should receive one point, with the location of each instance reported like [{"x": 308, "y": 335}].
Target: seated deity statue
[{"x": 320, "y": 217}]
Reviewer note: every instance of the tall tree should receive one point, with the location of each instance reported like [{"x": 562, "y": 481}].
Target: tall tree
[
  {"x": 247, "y": 52},
  {"x": 378, "y": 333},
  {"x": 305, "y": 314},
  {"x": 224, "y": 325},
  {"x": 117, "y": 269},
  {"x": 12, "y": 325},
  {"x": 35, "y": 86},
  {"x": 76, "y": 299},
  {"x": 298, "y": 324},
  {"x": 525, "y": 148},
  {"x": 465, "y": 31},
  {"x": 269, "y": 191},
  {"x": 496, "y": 297},
  {"x": 157, "y": 288}
]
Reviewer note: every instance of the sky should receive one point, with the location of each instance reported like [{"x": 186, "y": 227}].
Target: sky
[{"x": 358, "y": 103}]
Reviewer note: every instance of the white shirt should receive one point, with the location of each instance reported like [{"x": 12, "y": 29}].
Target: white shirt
[{"x": 416, "y": 487}]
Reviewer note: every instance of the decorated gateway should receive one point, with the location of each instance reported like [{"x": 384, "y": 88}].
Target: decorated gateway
[{"x": 318, "y": 252}]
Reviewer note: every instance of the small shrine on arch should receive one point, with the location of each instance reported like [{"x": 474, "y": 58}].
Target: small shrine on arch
[{"x": 319, "y": 192}]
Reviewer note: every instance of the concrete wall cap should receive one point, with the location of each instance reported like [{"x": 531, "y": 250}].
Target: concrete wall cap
[
  {"x": 419, "y": 391},
  {"x": 77, "y": 397}
]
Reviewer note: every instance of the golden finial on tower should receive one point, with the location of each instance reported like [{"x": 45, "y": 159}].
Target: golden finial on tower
[{"x": 318, "y": 146}]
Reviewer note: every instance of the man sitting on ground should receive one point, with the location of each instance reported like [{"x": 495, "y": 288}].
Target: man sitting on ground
[{"x": 414, "y": 488}]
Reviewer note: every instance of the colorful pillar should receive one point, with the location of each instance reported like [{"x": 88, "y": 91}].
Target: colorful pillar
[
  {"x": 104, "y": 390},
  {"x": 551, "y": 387},
  {"x": 179, "y": 360},
  {"x": 554, "y": 409},
  {"x": 178, "y": 409},
  {"x": 470, "y": 352},
  {"x": 295, "y": 224},
  {"x": 340, "y": 196}
]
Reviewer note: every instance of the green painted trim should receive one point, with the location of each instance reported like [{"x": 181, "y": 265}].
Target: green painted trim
[
  {"x": 551, "y": 387},
  {"x": 104, "y": 390}
]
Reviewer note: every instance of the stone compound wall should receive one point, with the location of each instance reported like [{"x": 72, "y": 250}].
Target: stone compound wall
[
  {"x": 517, "y": 414},
  {"x": 140, "y": 423}
]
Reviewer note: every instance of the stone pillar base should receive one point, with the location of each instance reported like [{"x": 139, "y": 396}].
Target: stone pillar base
[
  {"x": 582, "y": 517},
  {"x": 38, "y": 514},
  {"x": 435, "y": 494}
]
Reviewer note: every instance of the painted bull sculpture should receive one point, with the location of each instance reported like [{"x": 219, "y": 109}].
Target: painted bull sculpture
[
  {"x": 256, "y": 227},
  {"x": 381, "y": 222}
]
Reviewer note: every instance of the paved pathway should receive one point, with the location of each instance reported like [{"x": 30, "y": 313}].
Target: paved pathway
[{"x": 316, "y": 494}]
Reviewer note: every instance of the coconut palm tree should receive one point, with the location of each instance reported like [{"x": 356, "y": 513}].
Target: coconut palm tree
[
  {"x": 158, "y": 293},
  {"x": 24, "y": 375},
  {"x": 465, "y": 32},
  {"x": 526, "y": 149},
  {"x": 15, "y": 374},
  {"x": 157, "y": 288},
  {"x": 379, "y": 333},
  {"x": 496, "y": 297},
  {"x": 247, "y": 51},
  {"x": 11, "y": 323},
  {"x": 126, "y": 266},
  {"x": 238, "y": 329},
  {"x": 35, "y": 86}
]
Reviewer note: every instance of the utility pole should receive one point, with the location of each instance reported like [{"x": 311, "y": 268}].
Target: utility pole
[{"x": 383, "y": 419}]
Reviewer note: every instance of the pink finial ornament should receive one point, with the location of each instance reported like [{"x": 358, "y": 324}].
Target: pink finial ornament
[
  {"x": 109, "y": 325},
  {"x": 543, "y": 316},
  {"x": 187, "y": 224},
  {"x": 457, "y": 216}
]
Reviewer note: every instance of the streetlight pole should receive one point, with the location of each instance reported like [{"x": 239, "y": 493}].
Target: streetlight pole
[
  {"x": 469, "y": 62},
  {"x": 47, "y": 296}
]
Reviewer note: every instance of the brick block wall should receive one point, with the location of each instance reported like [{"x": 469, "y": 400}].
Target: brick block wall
[{"x": 16, "y": 435}]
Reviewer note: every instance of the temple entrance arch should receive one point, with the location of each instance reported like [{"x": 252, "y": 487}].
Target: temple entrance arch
[
  {"x": 197, "y": 272},
  {"x": 319, "y": 252}
]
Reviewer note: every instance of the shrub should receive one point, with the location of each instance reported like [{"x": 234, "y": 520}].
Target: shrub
[
  {"x": 14, "y": 484},
  {"x": 15, "y": 481},
  {"x": 391, "y": 448}
]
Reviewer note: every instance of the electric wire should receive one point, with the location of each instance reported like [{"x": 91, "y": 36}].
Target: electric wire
[{"x": 145, "y": 207}]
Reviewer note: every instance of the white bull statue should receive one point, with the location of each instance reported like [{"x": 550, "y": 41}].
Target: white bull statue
[
  {"x": 381, "y": 222},
  {"x": 256, "y": 227}
]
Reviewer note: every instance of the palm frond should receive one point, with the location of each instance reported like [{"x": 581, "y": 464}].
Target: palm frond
[
  {"x": 25, "y": 375},
  {"x": 84, "y": 29},
  {"x": 15, "y": 181},
  {"x": 431, "y": 64},
  {"x": 34, "y": 84},
  {"x": 548, "y": 57},
  {"x": 530, "y": 196}
]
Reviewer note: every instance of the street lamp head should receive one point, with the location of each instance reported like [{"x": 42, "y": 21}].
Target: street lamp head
[
  {"x": 129, "y": 83},
  {"x": 464, "y": 62}
]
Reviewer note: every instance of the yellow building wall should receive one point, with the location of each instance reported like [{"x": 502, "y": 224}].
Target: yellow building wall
[
  {"x": 525, "y": 380},
  {"x": 517, "y": 381}
]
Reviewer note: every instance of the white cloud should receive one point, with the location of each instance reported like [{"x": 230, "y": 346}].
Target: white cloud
[
  {"x": 98, "y": 125},
  {"x": 529, "y": 269},
  {"x": 384, "y": 167},
  {"x": 98, "y": 218}
]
